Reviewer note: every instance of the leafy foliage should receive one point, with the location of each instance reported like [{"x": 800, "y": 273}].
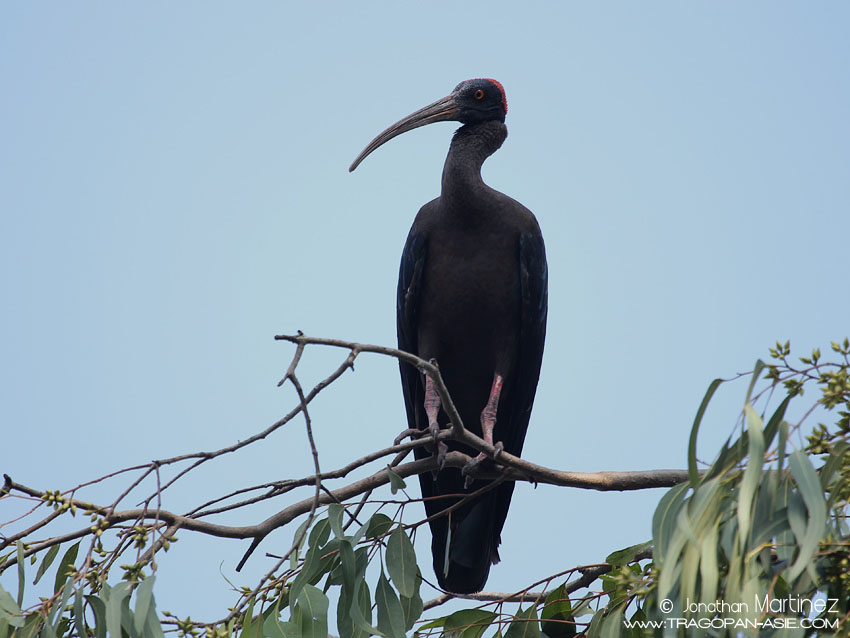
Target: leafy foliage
[{"x": 755, "y": 543}]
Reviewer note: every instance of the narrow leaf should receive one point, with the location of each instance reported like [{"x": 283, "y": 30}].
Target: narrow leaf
[
  {"x": 468, "y": 623},
  {"x": 314, "y": 612},
  {"x": 98, "y": 608},
  {"x": 390, "y": 613},
  {"x": 401, "y": 562},
  {"x": 412, "y": 606},
  {"x": 320, "y": 533},
  {"x": 47, "y": 562},
  {"x": 693, "y": 472},
  {"x": 810, "y": 489},
  {"x": 377, "y": 526},
  {"x": 10, "y": 609},
  {"x": 396, "y": 482},
  {"x": 750, "y": 480},
  {"x": 119, "y": 593},
  {"x": 335, "y": 511},
  {"x": 557, "y": 616},
  {"x": 21, "y": 575},
  {"x": 627, "y": 555},
  {"x": 66, "y": 566},
  {"x": 525, "y": 624},
  {"x": 144, "y": 597}
]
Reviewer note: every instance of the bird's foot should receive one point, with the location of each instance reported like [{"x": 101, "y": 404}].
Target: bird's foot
[
  {"x": 439, "y": 447},
  {"x": 476, "y": 463},
  {"x": 413, "y": 433}
]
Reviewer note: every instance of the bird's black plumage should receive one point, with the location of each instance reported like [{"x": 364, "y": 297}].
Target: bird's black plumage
[{"x": 472, "y": 294}]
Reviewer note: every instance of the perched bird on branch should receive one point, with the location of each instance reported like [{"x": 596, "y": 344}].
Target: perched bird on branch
[{"x": 472, "y": 295}]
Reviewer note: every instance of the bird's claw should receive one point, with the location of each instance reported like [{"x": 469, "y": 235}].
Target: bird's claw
[
  {"x": 410, "y": 432},
  {"x": 434, "y": 430},
  {"x": 475, "y": 463},
  {"x": 440, "y": 454}
]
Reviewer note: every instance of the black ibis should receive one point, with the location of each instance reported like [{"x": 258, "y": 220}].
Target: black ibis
[{"x": 472, "y": 295}]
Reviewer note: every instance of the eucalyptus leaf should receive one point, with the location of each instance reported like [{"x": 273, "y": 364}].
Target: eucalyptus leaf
[
  {"x": 314, "y": 612},
  {"x": 46, "y": 563},
  {"x": 335, "y": 511},
  {"x": 66, "y": 566},
  {"x": 412, "y": 606},
  {"x": 468, "y": 623},
  {"x": 525, "y": 624},
  {"x": 390, "y": 613},
  {"x": 21, "y": 575},
  {"x": 401, "y": 562},
  {"x": 144, "y": 600},
  {"x": 627, "y": 555},
  {"x": 396, "y": 482},
  {"x": 693, "y": 471},
  {"x": 557, "y": 614},
  {"x": 810, "y": 489}
]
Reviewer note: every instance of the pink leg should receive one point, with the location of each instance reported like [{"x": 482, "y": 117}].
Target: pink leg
[
  {"x": 488, "y": 422},
  {"x": 488, "y": 415},
  {"x": 432, "y": 405},
  {"x": 432, "y": 410}
]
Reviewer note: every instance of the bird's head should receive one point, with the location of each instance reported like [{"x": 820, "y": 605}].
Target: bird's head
[{"x": 471, "y": 102}]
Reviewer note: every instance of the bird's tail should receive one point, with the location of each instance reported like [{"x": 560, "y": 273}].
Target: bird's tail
[{"x": 467, "y": 544}]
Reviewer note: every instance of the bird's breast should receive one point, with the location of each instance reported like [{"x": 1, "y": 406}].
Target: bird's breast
[{"x": 471, "y": 302}]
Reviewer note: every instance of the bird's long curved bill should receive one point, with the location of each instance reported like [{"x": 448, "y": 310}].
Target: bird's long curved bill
[{"x": 440, "y": 111}]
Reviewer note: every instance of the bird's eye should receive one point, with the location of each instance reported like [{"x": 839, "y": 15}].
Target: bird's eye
[{"x": 478, "y": 95}]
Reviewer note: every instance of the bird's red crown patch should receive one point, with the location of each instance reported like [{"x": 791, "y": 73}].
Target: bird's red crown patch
[{"x": 501, "y": 90}]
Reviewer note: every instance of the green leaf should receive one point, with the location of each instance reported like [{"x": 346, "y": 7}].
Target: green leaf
[
  {"x": 115, "y": 600},
  {"x": 360, "y": 607},
  {"x": 412, "y": 606},
  {"x": 557, "y": 614},
  {"x": 320, "y": 533},
  {"x": 809, "y": 485},
  {"x": 66, "y": 594},
  {"x": 693, "y": 472},
  {"x": 377, "y": 526},
  {"x": 318, "y": 561},
  {"x": 627, "y": 555},
  {"x": 21, "y": 575},
  {"x": 10, "y": 610},
  {"x": 525, "y": 624},
  {"x": 250, "y": 627},
  {"x": 46, "y": 563},
  {"x": 664, "y": 518},
  {"x": 468, "y": 623},
  {"x": 98, "y": 608},
  {"x": 434, "y": 624},
  {"x": 361, "y": 613},
  {"x": 273, "y": 627},
  {"x": 772, "y": 426},
  {"x": 335, "y": 511},
  {"x": 750, "y": 480},
  {"x": 611, "y": 625},
  {"x": 401, "y": 562},
  {"x": 79, "y": 620},
  {"x": 390, "y": 613},
  {"x": 293, "y": 557},
  {"x": 753, "y": 379},
  {"x": 144, "y": 598},
  {"x": 66, "y": 566},
  {"x": 314, "y": 612},
  {"x": 396, "y": 482}
]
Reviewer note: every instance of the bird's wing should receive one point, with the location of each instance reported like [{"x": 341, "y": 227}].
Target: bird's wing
[
  {"x": 534, "y": 309},
  {"x": 407, "y": 323}
]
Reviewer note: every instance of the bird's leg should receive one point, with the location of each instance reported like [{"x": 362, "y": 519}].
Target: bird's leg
[
  {"x": 432, "y": 409},
  {"x": 488, "y": 422}
]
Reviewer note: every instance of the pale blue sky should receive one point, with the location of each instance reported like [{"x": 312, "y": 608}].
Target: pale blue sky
[{"x": 175, "y": 192}]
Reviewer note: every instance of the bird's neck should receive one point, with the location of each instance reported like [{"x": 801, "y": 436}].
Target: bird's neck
[{"x": 471, "y": 145}]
